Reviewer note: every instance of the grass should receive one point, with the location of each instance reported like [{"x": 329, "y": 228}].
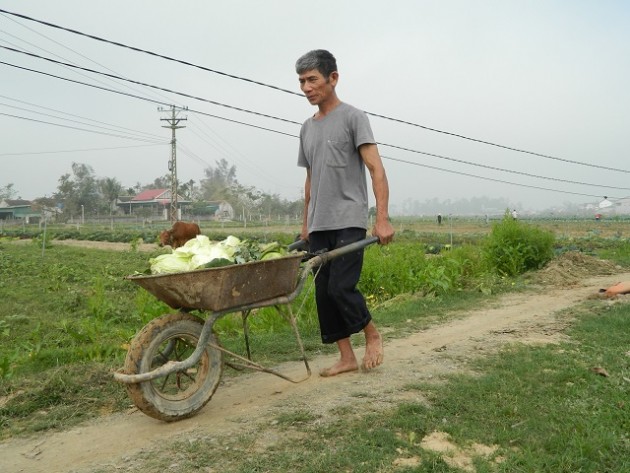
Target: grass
[
  {"x": 67, "y": 317},
  {"x": 545, "y": 406},
  {"x": 536, "y": 409}
]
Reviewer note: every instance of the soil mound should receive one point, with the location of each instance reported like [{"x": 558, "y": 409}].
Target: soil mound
[{"x": 571, "y": 267}]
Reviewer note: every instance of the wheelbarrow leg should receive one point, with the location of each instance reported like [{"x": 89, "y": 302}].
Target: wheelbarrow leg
[
  {"x": 287, "y": 313},
  {"x": 248, "y": 363},
  {"x": 244, "y": 315}
]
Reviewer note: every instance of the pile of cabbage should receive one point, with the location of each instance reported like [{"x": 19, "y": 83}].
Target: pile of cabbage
[{"x": 200, "y": 252}]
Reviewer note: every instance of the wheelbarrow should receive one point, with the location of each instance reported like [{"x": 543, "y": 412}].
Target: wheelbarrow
[{"x": 175, "y": 363}]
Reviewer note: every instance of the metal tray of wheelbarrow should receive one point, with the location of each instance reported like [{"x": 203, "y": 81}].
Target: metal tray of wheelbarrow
[{"x": 221, "y": 288}]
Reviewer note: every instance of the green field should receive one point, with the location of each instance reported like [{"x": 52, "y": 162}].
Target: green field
[{"x": 68, "y": 316}]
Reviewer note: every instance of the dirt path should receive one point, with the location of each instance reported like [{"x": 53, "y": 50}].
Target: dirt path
[{"x": 242, "y": 403}]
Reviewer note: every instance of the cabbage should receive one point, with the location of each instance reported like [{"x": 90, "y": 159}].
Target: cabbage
[
  {"x": 271, "y": 255},
  {"x": 210, "y": 253},
  {"x": 200, "y": 252},
  {"x": 170, "y": 263},
  {"x": 195, "y": 245}
]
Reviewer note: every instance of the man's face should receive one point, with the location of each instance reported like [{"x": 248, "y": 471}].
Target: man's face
[{"x": 316, "y": 87}]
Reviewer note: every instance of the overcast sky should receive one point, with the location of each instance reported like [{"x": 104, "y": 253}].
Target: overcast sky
[{"x": 548, "y": 77}]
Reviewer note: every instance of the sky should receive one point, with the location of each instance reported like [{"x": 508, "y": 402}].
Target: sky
[{"x": 437, "y": 78}]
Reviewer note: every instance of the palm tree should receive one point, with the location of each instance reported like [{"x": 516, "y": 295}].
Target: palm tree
[{"x": 110, "y": 188}]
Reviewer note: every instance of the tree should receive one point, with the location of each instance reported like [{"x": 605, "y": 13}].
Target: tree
[
  {"x": 219, "y": 181},
  {"x": 163, "y": 182},
  {"x": 188, "y": 190},
  {"x": 245, "y": 199},
  {"x": 271, "y": 206},
  {"x": 110, "y": 190},
  {"x": 79, "y": 191},
  {"x": 7, "y": 192}
]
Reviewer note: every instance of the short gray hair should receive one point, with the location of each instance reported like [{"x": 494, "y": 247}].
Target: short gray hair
[{"x": 319, "y": 59}]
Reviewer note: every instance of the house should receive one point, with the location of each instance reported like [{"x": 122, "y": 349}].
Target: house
[
  {"x": 19, "y": 209},
  {"x": 151, "y": 202},
  {"x": 609, "y": 207},
  {"x": 622, "y": 206},
  {"x": 220, "y": 210}
]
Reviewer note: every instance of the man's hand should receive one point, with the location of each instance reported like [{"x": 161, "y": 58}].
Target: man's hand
[
  {"x": 304, "y": 234},
  {"x": 384, "y": 231}
]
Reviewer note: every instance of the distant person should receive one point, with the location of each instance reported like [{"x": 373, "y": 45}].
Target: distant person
[
  {"x": 487, "y": 219},
  {"x": 514, "y": 214},
  {"x": 439, "y": 218}
]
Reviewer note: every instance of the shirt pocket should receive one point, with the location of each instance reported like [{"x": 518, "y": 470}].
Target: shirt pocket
[{"x": 339, "y": 152}]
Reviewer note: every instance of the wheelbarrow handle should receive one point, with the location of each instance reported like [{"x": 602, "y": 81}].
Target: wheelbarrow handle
[
  {"x": 326, "y": 256},
  {"x": 303, "y": 245},
  {"x": 298, "y": 245}
]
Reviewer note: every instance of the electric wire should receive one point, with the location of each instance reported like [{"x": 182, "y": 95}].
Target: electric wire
[
  {"x": 297, "y": 123},
  {"x": 107, "y": 89},
  {"x": 495, "y": 168},
  {"x": 492, "y": 179},
  {"x": 78, "y": 116},
  {"x": 184, "y": 149},
  {"x": 110, "y": 127},
  {"x": 151, "y": 53},
  {"x": 164, "y": 89},
  {"x": 146, "y": 99},
  {"x": 232, "y": 76},
  {"x": 49, "y": 39},
  {"x": 49, "y": 52},
  {"x": 73, "y": 70},
  {"x": 224, "y": 147},
  {"x": 82, "y": 150},
  {"x": 77, "y": 128}
]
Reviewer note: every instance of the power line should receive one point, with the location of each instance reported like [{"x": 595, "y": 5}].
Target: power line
[
  {"x": 164, "y": 89},
  {"x": 115, "y": 127},
  {"x": 382, "y": 144},
  {"x": 243, "y": 123},
  {"x": 491, "y": 179},
  {"x": 232, "y": 76},
  {"x": 61, "y": 57},
  {"x": 59, "y": 151},
  {"x": 495, "y": 168},
  {"x": 151, "y": 53},
  {"x": 107, "y": 89},
  {"x": 297, "y": 123},
  {"x": 213, "y": 102},
  {"x": 77, "y": 128},
  {"x": 60, "y": 44},
  {"x": 230, "y": 151},
  {"x": 146, "y": 99}
]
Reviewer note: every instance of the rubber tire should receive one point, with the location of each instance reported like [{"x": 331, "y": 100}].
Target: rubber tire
[{"x": 154, "y": 398}]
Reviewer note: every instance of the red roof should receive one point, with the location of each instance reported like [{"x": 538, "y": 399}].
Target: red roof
[{"x": 151, "y": 194}]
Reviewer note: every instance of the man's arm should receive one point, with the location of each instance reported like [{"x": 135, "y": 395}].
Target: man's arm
[
  {"x": 307, "y": 199},
  {"x": 382, "y": 228}
]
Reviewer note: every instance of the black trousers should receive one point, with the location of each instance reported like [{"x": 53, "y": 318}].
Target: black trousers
[{"x": 341, "y": 307}]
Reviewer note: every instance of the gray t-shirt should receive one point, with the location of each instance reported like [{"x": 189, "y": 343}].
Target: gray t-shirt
[{"x": 329, "y": 147}]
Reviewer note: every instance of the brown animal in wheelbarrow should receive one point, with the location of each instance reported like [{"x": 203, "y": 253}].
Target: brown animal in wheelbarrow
[{"x": 179, "y": 234}]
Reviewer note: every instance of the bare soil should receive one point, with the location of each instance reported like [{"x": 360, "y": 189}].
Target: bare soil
[{"x": 250, "y": 402}]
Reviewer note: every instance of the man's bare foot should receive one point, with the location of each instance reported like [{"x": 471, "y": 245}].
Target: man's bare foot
[
  {"x": 339, "y": 367},
  {"x": 373, "y": 350}
]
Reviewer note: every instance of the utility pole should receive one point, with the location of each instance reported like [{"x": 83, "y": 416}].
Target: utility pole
[{"x": 173, "y": 124}]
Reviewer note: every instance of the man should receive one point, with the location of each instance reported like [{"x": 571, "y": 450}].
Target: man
[{"x": 336, "y": 146}]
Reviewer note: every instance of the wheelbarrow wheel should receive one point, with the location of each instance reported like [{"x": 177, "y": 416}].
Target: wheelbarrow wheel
[{"x": 182, "y": 394}]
